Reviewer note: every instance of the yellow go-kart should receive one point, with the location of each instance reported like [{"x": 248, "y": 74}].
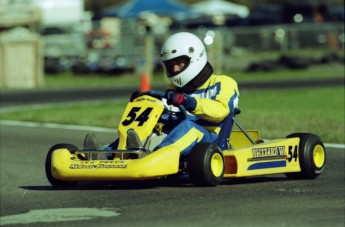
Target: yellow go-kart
[{"x": 235, "y": 154}]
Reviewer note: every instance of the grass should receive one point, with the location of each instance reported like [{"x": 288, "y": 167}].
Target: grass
[
  {"x": 68, "y": 80},
  {"x": 276, "y": 113},
  {"x": 103, "y": 114}
]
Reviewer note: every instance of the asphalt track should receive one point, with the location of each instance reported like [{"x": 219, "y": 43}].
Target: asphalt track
[{"x": 28, "y": 199}]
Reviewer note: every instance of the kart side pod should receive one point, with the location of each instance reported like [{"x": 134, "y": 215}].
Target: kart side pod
[{"x": 65, "y": 166}]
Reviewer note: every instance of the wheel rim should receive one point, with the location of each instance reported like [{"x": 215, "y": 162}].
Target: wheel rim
[
  {"x": 319, "y": 156},
  {"x": 217, "y": 165}
]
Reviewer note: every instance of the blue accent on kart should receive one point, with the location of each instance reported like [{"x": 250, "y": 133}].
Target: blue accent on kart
[
  {"x": 267, "y": 165},
  {"x": 224, "y": 134}
]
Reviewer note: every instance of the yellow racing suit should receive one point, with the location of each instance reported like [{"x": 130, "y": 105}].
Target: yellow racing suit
[{"x": 215, "y": 99}]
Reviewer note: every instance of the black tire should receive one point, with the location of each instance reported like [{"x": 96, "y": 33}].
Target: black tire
[
  {"x": 53, "y": 181},
  {"x": 206, "y": 165},
  {"x": 312, "y": 156}
]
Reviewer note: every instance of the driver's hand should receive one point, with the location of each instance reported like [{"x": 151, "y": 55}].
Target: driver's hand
[
  {"x": 174, "y": 98},
  {"x": 135, "y": 95}
]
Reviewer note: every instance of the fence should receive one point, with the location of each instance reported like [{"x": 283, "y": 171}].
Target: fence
[{"x": 234, "y": 47}]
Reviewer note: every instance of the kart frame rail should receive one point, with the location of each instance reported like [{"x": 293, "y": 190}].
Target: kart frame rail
[{"x": 134, "y": 153}]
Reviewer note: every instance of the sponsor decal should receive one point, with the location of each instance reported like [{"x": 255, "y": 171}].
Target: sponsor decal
[
  {"x": 97, "y": 166},
  {"x": 273, "y": 157},
  {"x": 268, "y": 153},
  {"x": 146, "y": 99},
  {"x": 113, "y": 164}
]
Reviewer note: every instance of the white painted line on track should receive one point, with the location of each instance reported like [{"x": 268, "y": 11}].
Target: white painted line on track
[
  {"x": 96, "y": 129},
  {"x": 58, "y": 215},
  {"x": 10, "y": 109},
  {"x": 55, "y": 126},
  {"x": 334, "y": 145}
]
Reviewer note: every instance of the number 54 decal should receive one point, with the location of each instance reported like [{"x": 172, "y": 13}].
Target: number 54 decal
[
  {"x": 141, "y": 118},
  {"x": 293, "y": 153}
]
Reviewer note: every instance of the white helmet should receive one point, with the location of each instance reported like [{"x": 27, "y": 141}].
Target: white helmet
[{"x": 189, "y": 48}]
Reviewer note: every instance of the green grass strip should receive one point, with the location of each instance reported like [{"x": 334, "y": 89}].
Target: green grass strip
[{"x": 275, "y": 113}]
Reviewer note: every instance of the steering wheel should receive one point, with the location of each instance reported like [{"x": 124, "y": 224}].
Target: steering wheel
[{"x": 160, "y": 95}]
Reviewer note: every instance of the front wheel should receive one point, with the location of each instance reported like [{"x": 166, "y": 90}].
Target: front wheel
[
  {"x": 57, "y": 182},
  {"x": 312, "y": 156},
  {"x": 206, "y": 165}
]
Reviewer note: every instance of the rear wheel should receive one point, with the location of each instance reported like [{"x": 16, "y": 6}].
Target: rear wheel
[
  {"x": 206, "y": 165},
  {"x": 312, "y": 156},
  {"x": 57, "y": 182}
]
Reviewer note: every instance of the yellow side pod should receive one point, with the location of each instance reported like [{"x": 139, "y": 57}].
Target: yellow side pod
[
  {"x": 238, "y": 138},
  {"x": 271, "y": 157},
  {"x": 66, "y": 166}
]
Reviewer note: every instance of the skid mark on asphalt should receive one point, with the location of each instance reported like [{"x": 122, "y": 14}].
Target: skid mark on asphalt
[{"x": 58, "y": 215}]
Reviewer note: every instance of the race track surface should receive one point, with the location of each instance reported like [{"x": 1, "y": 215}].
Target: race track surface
[{"x": 27, "y": 198}]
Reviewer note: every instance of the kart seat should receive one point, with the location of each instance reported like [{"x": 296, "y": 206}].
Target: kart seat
[{"x": 223, "y": 137}]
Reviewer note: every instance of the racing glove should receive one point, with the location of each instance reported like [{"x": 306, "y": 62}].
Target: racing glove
[{"x": 176, "y": 99}]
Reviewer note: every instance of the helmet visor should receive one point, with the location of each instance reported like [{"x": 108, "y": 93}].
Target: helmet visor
[{"x": 176, "y": 65}]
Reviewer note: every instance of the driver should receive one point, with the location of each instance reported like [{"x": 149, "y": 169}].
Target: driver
[{"x": 208, "y": 98}]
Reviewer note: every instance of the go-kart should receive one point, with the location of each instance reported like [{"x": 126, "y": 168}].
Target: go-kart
[{"x": 235, "y": 154}]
